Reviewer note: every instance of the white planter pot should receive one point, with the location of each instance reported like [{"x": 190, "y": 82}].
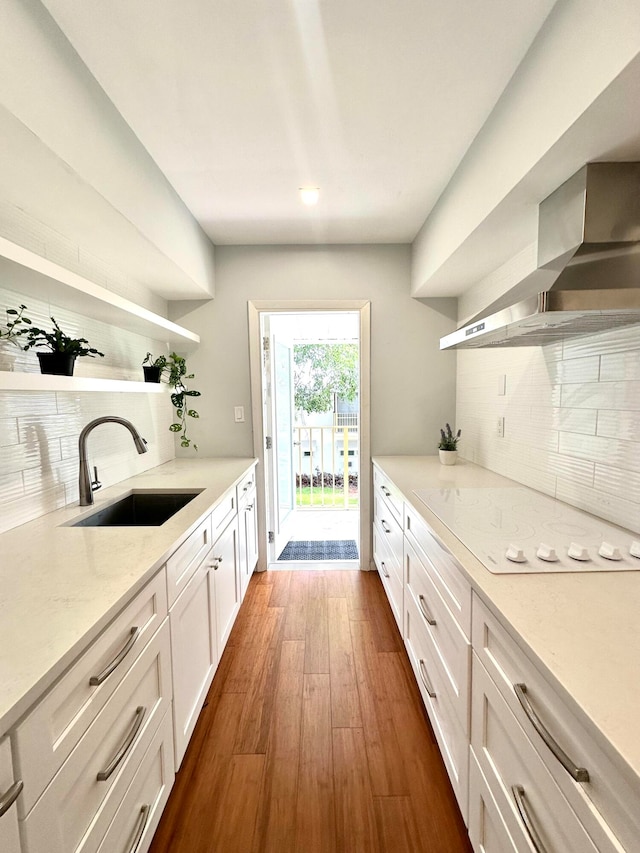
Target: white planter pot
[{"x": 448, "y": 457}]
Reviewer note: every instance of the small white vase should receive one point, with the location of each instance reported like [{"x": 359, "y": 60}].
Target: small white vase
[{"x": 448, "y": 457}]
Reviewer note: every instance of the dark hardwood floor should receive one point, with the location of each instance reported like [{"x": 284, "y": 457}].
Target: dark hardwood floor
[{"x": 313, "y": 738}]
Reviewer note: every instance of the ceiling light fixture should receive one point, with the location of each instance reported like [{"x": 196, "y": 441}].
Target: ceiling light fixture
[{"x": 309, "y": 195}]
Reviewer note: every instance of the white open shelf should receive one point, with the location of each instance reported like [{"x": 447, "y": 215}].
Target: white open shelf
[
  {"x": 48, "y": 280},
  {"x": 10, "y": 381}
]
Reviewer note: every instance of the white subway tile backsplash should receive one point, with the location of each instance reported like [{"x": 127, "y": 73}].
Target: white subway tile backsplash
[
  {"x": 572, "y": 419},
  {"x": 8, "y": 432},
  {"x": 624, "y": 425}
]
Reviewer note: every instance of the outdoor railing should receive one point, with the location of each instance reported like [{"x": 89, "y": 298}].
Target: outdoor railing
[{"x": 321, "y": 459}]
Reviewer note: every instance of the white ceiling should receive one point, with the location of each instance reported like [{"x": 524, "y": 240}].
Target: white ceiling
[{"x": 240, "y": 102}]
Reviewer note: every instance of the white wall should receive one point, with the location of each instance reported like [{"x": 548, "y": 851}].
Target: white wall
[
  {"x": 572, "y": 419},
  {"x": 582, "y": 48},
  {"x": 71, "y": 161},
  {"x": 39, "y": 430},
  {"x": 412, "y": 382}
]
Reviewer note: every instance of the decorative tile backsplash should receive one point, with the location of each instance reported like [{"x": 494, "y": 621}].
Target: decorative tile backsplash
[
  {"x": 572, "y": 419},
  {"x": 39, "y": 430}
]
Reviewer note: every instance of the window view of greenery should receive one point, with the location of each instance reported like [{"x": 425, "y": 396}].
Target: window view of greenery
[{"x": 326, "y": 404}]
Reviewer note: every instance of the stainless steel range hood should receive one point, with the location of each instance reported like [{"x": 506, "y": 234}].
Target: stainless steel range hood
[{"x": 588, "y": 275}]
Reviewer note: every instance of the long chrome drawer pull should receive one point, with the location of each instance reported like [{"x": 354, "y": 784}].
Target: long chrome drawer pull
[
  {"x": 385, "y": 526},
  {"x": 423, "y": 673},
  {"x": 145, "y": 811},
  {"x": 10, "y": 796},
  {"x": 425, "y": 612},
  {"x": 385, "y": 491},
  {"x": 384, "y": 569},
  {"x": 106, "y": 672},
  {"x": 580, "y": 774},
  {"x": 534, "y": 838},
  {"x": 103, "y": 775}
]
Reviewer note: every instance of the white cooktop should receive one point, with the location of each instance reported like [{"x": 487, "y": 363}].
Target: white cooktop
[{"x": 514, "y": 530}]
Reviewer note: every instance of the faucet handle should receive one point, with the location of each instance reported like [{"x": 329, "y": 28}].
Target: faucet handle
[{"x": 95, "y": 483}]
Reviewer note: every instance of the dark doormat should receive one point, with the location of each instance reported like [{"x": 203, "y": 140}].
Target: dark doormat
[{"x": 329, "y": 549}]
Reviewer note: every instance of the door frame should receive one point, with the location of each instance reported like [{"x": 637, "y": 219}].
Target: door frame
[{"x": 363, "y": 308}]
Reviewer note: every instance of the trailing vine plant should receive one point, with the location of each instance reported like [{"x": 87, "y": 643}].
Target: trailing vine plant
[{"x": 174, "y": 371}]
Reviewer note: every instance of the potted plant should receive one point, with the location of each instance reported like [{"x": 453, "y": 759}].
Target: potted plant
[
  {"x": 174, "y": 368},
  {"x": 62, "y": 349},
  {"x": 152, "y": 367},
  {"x": 448, "y": 446}
]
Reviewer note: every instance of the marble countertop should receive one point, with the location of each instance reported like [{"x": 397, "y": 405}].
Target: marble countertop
[
  {"x": 60, "y": 585},
  {"x": 583, "y": 629}
]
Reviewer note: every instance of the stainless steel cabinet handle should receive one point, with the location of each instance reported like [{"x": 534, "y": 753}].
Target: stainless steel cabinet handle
[
  {"x": 384, "y": 569},
  {"x": 534, "y": 838},
  {"x": 103, "y": 775},
  {"x": 385, "y": 491},
  {"x": 425, "y": 612},
  {"x": 106, "y": 672},
  {"x": 580, "y": 774},
  {"x": 10, "y": 796},
  {"x": 145, "y": 811},
  {"x": 215, "y": 562},
  {"x": 423, "y": 674},
  {"x": 385, "y": 526},
  {"x": 249, "y": 507}
]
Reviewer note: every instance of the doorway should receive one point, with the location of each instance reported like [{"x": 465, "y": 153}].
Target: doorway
[{"x": 314, "y": 475}]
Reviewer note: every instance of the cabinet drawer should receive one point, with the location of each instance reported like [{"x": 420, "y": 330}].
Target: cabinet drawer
[
  {"x": 453, "y": 648},
  {"x": 9, "y": 789},
  {"x": 509, "y": 762},
  {"x": 137, "y": 818},
  {"x": 76, "y": 809},
  {"x": 452, "y": 740},
  {"x": 245, "y": 486},
  {"x": 390, "y": 574},
  {"x": 386, "y": 489},
  {"x": 444, "y": 569},
  {"x": 48, "y": 734},
  {"x": 487, "y": 830},
  {"x": 610, "y": 787},
  {"x": 389, "y": 528},
  {"x": 185, "y": 560}
]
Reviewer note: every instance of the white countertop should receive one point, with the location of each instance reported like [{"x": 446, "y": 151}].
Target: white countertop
[
  {"x": 584, "y": 629},
  {"x": 60, "y": 586}
]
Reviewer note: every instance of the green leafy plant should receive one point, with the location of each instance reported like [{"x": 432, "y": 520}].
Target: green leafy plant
[
  {"x": 449, "y": 439},
  {"x": 56, "y": 340},
  {"x": 174, "y": 371},
  {"x": 11, "y": 332}
]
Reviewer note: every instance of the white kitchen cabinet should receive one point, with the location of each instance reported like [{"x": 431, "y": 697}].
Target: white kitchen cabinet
[
  {"x": 224, "y": 562},
  {"x": 74, "y": 812},
  {"x": 194, "y": 653},
  {"x": 388, "y": 542},
  {"x": 247, "y": 530},
  {"x": 53, "y": 728},
  {"x": 137, "y": 818},
  {"x": 10, "y": 791},
  {"x": 605, "y": 797}
]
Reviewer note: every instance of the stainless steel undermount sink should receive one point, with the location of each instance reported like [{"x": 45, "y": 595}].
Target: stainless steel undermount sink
[{"x": 138, "y": 509}]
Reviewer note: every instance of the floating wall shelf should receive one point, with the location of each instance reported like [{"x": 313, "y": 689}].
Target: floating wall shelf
[
  {"x": 43, "y": 279},
  {"x": 10, "y": 381}
]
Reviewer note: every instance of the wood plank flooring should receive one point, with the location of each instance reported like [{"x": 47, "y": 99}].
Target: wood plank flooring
[{"x": 313, "y": 738}]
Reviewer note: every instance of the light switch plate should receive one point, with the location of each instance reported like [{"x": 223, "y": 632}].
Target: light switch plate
[
  {"x": 502, "y": 385},
  {"x": 238, "y": 414}
]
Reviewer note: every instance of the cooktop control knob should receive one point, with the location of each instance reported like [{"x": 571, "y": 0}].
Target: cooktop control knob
[
  {"x": 515, "y": 554},
  {"x": 609, "y": 551},
  {"x": 634, "y": 550},
  {"x": 578, "y": 552},
  {"x": 546, "y": 552}
]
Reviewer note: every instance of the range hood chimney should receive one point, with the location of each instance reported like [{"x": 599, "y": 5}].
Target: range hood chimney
[{"x": 588, "y": 275}]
